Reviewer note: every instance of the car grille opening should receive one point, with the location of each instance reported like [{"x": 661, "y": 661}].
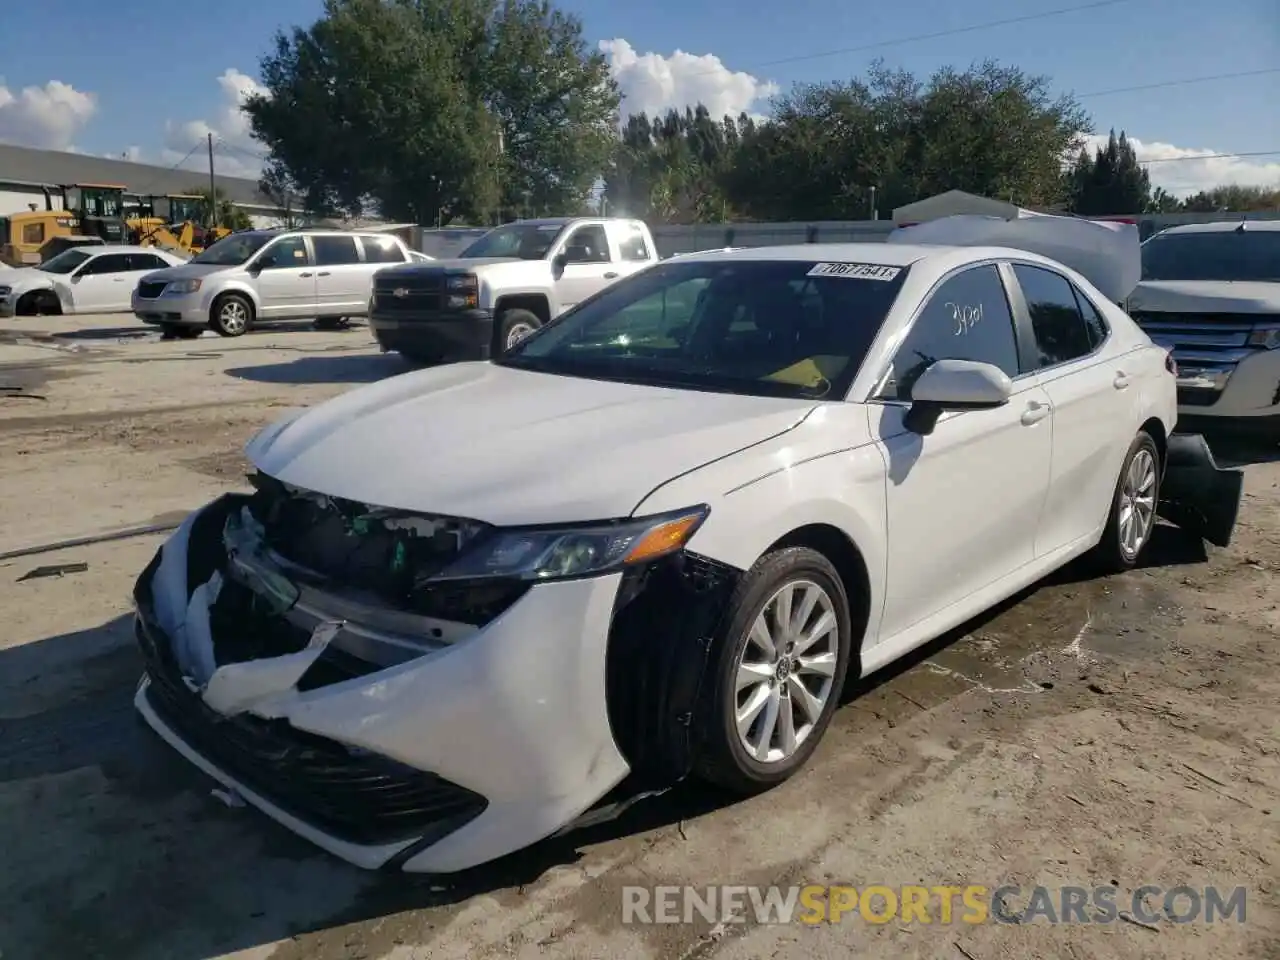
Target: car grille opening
[
  {"x": 356, "y": 796},
  {"x": 149, "y": 291},
  {"x": 408, "y": 293}
]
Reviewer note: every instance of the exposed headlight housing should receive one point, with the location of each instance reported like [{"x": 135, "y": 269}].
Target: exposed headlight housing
[
  {"x": 182, "y": 286},
  {"x": 463, "y": 291},
  {"x": 568, "y": 552},
  {"x": 1267, "y": 337},
  {"x": 5, "y": 291}
]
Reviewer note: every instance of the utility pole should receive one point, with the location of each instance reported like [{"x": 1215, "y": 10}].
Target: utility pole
[{"x": 213, "y": 192}]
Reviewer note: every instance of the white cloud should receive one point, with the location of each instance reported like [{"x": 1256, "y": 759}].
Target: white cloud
[
  {"x": 652, "y": 83},
  {"x": 1183, "y": 174},
  {"x": 236, "y": 153},
  {"x": 47, "y": 117}
]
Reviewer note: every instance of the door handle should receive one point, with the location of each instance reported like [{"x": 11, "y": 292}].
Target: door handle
[
  {"x": 611, "y": 275},
  {"x": 304, "y": 274},
  {"x": 323, "y": 274},
  {"x": 1034, "y": 413},
  {"x": 1121, "y": 381}
]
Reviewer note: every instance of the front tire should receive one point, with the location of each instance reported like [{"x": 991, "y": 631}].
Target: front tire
[
  {"x": 777, "y": 672},
  {"x": 513, "y": 326},
  {"x": 1133, "y": 509},
  {"x": 232, "y": 315}
]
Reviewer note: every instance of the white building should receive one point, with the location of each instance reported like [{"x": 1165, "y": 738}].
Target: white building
[{"x": 33, "y": 179}]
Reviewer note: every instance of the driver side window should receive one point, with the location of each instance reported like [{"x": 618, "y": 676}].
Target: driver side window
[
  {"x": 966, "y": 318},
  {"x": 285, "y": 253}
]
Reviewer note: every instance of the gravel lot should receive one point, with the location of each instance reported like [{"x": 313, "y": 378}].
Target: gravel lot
[{"x": 1095, "y": 731}]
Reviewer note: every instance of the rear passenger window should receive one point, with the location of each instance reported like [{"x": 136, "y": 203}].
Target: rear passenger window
[
  {"x": 335, "y": 251},
  {"x": 1060, "y": 330},
  {"x": 382, "y": 250},
  {"x": 1093, "y": 321},
  {"x": 966, "y": 318},
  {"x": 632, "y": 245}
]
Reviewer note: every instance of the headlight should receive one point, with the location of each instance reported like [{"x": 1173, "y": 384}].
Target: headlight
[
  {"x": 556, "y": 553},
  {"x": 182, "y": 286},
  {"x": 1267, "y": 337},
  {"x": 464, "y": 290}
]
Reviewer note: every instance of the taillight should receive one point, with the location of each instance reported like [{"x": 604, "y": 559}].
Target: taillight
[{"x": 1170, "y": 364}]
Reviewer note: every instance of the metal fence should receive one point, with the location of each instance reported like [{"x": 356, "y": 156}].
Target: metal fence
[{"x": 672, "y": 239}]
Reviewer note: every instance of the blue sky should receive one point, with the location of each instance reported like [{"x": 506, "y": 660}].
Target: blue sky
[{"x": 156, "y": 111}]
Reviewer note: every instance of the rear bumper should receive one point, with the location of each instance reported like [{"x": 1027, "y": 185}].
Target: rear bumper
[
  {"x": 1198, "y": 495},
  {"x": 452, "y": 335}
]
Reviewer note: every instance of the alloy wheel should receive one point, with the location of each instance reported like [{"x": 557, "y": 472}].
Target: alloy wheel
[{"x": 785, "y": 674}]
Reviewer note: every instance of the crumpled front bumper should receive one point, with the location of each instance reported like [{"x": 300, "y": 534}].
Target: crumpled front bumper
[{"x": 473, "y": 750}]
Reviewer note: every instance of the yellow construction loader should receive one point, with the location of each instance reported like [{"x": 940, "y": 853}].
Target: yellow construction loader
[
  {"x": 171, "y": 222},
  {"x": 89, "y": 210}
]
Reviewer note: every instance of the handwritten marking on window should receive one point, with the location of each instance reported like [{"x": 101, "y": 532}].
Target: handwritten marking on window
[{"x": 964, "y": 316}]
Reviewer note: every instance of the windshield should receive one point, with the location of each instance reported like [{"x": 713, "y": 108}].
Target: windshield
[
  {"x": 64, "y": 262},
  {"x": 1241, "y": 255},
  {"x": 233, "y": 250},
  {"x": 762, "y": 328},
  {"x": 527, "y": 241}
]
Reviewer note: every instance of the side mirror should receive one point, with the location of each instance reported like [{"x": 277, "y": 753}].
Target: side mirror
[
  {"x": 955, "y": 385},
  {"x": 559, "y": 262}
]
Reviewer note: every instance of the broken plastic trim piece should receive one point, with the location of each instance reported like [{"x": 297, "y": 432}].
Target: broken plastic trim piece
[{"x": 252, "y": 685}]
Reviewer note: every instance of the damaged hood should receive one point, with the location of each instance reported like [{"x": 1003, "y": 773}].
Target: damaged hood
[{"x": 512, "y": 447}]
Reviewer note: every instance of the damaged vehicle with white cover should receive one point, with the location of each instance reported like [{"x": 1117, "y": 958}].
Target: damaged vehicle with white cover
[{"x": 468, "y": 608}]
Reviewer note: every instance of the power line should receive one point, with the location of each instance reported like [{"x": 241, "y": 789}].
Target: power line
[
  {"x": 1216, "y": 156},
  {"x": 1181, "y": 82},
  {"x": 935, "y": 35},
  {"x": 156, "y": 179}
]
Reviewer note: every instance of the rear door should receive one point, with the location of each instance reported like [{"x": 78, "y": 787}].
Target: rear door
[
  {"x": 1089, "y": 390},
  {"x": 380, "y": 252},
  {"x": 632, "y": 246},
  {"x": 343, "y": 280},
  {"x": 286, "y": 280}
]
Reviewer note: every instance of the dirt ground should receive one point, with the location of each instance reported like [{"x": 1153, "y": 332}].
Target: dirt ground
[{"x": 1095, "y": 731}]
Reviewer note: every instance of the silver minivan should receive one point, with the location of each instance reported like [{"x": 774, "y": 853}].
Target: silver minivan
[{"x": 263, "y": 275}]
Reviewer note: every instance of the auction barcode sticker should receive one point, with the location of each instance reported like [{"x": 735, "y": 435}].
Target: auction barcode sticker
[{"x": 855, "y": 271}]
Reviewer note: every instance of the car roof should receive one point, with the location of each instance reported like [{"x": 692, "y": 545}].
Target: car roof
[
  {"x": 97, "y": 251},
  {"x": 1223, "y": 226},
  {"x": 880, "y": 254}
]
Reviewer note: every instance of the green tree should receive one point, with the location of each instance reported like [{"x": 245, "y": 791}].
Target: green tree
[
  {"x": 1111, "y": 181},
  {"x": 1233, "y": 198},
  {"x": 435, "y": 109},
  {"x": 991, "y": 130},
  {"x": 227, "y": 213}
]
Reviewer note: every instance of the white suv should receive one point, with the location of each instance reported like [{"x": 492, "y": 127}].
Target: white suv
[{"x": 269, "y": 275}]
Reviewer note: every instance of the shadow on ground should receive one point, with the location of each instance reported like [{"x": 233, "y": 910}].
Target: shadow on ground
[
  {"x": 116, "y": 847},
  {"x": 364, "y": 368}
]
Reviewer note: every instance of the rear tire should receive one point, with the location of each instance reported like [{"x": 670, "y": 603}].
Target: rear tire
[
  {"x": 1133, "y": 509},
  {"x": 513, "y": 326},
  {"x": 231, "y": 315},
  {"x": 747, "y": 744}
]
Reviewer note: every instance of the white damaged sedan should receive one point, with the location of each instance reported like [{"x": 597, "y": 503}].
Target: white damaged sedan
[{"x": 470, "y": 607}]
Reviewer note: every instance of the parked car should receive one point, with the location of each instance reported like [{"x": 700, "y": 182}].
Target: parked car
[
  {"x": 1211, "y": 293},
  {"x": 503, "y": 286},
  {"x": 651, "y": 539},
  {"x": 259, "y": 275},
  {"x": 82, "y": 279}
]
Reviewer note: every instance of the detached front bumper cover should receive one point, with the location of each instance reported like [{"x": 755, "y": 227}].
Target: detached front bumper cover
[{"x": 1198, "y": 495}]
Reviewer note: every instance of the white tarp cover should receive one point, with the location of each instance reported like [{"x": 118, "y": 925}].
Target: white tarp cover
[{"x": 1107, "y": 254}]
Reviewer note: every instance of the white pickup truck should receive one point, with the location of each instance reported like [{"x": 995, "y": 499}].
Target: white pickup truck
[{"x": 503, "y": 286}]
